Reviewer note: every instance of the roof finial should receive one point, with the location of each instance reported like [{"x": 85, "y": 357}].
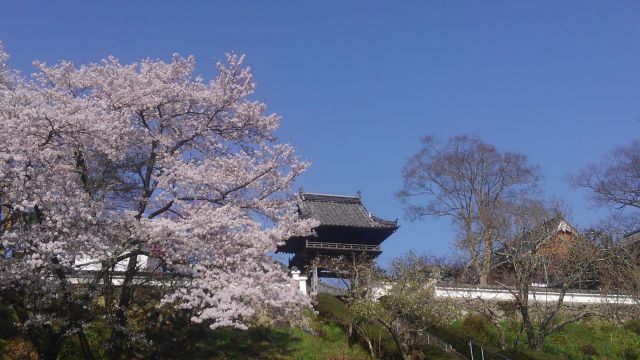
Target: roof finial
[{"x": 359, "y": 194}]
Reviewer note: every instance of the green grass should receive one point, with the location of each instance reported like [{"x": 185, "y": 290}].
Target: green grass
[
  {"x": 595, "y": 340},
  {"x": 590, "y": 339},
  {"x": 331, "y": 344},
  {"x": 256, "y": 343},
  {"x": 276, "y": 343}
]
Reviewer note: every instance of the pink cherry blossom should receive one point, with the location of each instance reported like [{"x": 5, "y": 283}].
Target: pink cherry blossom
[{"x": 112, "y": 162}]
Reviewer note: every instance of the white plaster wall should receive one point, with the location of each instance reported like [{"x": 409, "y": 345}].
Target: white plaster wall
[
  {"x": 86, "y": 263},
  {"x": 534, "y": 295},
  {"x": 301, "y": 280}
]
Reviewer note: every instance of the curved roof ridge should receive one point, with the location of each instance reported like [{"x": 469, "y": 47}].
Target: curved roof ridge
[
  {"x": 331, "y": 195},
  {"x": 306, "y": 196},
  {"x": 340, "y": 210}
]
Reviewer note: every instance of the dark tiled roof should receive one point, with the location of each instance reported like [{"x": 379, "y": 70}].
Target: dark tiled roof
[{"x": 335, "y": 210}]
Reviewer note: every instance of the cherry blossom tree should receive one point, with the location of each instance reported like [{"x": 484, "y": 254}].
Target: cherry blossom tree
[
  {"x": 6, "y": 74},
  {"x": 106, "y": 164}
]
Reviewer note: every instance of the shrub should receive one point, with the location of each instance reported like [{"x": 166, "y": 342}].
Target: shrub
[
  {"x": 531, "y": 355},
  {"x": 7, "y": 323},
  {"x": 630, "y": 354},
  {"x": 478, "y": 328},
  {"x": 19, "y": 348},
  {"x": 633, "y": 325},
  {"x": 588, "y": 349}
]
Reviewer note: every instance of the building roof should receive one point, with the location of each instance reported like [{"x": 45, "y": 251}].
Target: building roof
[
  {"x": 564, "y": 226},
  {"x": 632, "y": 237},
  {"x": 555, "y": 227},
  {"x": 338, "y": 210},
  {"x": 631, "y": 241}
]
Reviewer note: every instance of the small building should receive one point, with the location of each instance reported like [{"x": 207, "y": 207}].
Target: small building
[
  {"x": 555, "y": 248},
  {"x": 346, "y": 229},
  {"x": 631, "y": 242},
  {"x": 564, "y": 237}
]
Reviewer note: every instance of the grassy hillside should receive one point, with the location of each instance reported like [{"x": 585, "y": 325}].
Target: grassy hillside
[
  {"x": 586, "y": 340},
  {"x": 597, "y": 340},
  {"x": 326, "y": 339},
  {"x": 328, "y": 342},
  {"x": 278, "y": 343}
]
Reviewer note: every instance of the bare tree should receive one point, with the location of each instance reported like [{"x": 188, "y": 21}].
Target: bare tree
[
  {"x": 543, "y": 248},
  {"x": 615, "y": 183},
  {"x": 618, "y": 276},
  {"x": 471, "y": 182}
]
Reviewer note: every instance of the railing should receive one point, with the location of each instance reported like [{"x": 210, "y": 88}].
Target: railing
[
  {"x": 430, "y": 339},
  {"x": 477, "y": 353},
  {"x": 341, "y": 246}
]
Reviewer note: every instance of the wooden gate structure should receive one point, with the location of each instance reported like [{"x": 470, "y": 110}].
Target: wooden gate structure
[{"x": 346, "y": 229}]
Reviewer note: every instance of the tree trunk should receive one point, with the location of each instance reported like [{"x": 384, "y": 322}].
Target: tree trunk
[
  {"x": 396, "y": 338},
  {"x": 47, "y": 343},
  {"x": 84, "y": 345},
  {"x": 485, "y": 269},
  {"x": 118, "y": 326},
  {"x": 366, "y": 338},
  {"x": 532, "y": 342},
  {"x": 502, "y": 339}
]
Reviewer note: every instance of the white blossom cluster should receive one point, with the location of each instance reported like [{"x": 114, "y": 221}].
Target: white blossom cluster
[{"x": 6, "y": 75}]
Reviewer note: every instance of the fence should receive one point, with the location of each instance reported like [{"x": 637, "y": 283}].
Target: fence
[
  {"x": 430, "y": 339},
  {"x": 476, "y": 352}
]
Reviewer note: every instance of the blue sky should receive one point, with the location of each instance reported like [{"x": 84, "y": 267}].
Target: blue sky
[{"x": 359, "y": 82}]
